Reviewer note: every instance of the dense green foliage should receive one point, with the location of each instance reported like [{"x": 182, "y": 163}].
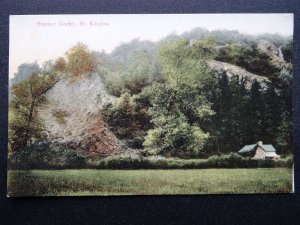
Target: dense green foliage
[
  {"x": 58, "y": 156},
  {"x": 183, "y": 62},
  {"x": 128, "y": 119},
  {"x": 248, "y": 57},
  {"x": 231, "y": 160},
  {"x": 25, "y": 125},
  {"x": 176, "y": 115},
  {"x": 148, "y": 182},
  {"x": 171, "y": 103},
  {"x": 287, "y": 51},
  {"x": 176, "y": 107},
  {"x": 46, "y": 156},
  {"x": 194, "y": 112},
  {"x": 130, "y": 67},
  {"x": 244, "y": 116},
  {"x": 223, "y": 37}
]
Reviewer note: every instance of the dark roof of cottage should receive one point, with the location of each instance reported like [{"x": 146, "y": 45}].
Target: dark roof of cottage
[{"x": 250, "y": 148}]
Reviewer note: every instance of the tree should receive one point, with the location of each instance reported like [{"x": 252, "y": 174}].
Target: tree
[
  {"x": 178, "y": 106},
  {"x": 80, "y": 60},
  {"x": 25, "y": 125},
  {"x": 176, "y": 115},
  {"x": 272, "y": 115},
  {"x": 183, "y": 62},
  {"x": 285, "y": 132},
  {"x": 256, "y": 112},
  {"x": 287, "y": 51},
  {"x": 120, "y": 116},
  {"x": 228, "y": 127},
  {"x": 222, "y": 105},
  {"x": 174, "y": 136},
  {"x": 132, "y": 75},
  {"x": 60, "y": 65},
  {"x": 128, "y": 119}
]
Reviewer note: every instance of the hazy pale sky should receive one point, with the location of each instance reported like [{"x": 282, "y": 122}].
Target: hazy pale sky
[{"x": 45, "y": 37}]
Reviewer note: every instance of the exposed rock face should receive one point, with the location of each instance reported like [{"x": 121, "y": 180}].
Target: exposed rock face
[
  {"x": 73, "y": 117},
  {"x": 232, "y": 70},
  {"x": 277, "y": 59},
  {"x": 271, "y": 50}
]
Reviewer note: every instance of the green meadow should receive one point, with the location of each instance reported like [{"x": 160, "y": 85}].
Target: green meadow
[{"x": 148, "y": 182}]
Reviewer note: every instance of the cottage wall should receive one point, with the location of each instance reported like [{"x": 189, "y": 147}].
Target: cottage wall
[
  {"x": 259, "y": 154},
  {"x": 272, "y": 155}
]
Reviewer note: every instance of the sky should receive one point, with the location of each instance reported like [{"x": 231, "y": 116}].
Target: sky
[{"x": 45, "y": 37}]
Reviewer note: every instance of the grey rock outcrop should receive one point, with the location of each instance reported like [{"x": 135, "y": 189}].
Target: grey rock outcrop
[
  {"x": 232, "y": 70},
  {"x": 271, "y": 50},
  {"x": 72, "y": 116}
]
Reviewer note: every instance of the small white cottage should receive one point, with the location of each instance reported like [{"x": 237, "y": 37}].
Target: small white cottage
[{"x": 259, "y": 151}]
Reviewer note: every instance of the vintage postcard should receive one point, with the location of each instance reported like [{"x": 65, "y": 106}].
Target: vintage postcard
[{"x": 150, "y": 104}]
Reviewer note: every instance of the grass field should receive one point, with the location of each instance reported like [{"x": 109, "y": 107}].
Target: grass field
[{"x": 148, "y": 182}]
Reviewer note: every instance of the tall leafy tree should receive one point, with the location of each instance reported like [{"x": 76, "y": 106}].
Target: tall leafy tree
[
  {"x": 80, "y": 60},
  {"x": 221, "y": 105},
  {"x": 285, "y": 132},
  {"x": 256, "y": 112},
  {"x": 184, "y": 62},
  {"x": 272, "y": 114},
  {"x": 173, "y": 134},
  {"x": 28, "y": 95},
  {"x": 229, "y": 103},
  {"x": 178, "y": 106}
]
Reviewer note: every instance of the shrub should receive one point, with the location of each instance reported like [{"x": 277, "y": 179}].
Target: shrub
[
  {"x": 136, "y": 142},
  {"x": 55, "y": 156},
  {"x": 289, "y": 161},
  {"x": 266, "y": 163},
  {"x": 46, "y": 156},
  {"x": 223, "y": 161}
]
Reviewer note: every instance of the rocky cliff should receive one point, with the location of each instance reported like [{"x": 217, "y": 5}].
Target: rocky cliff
[{"x": 73, "y": 117}]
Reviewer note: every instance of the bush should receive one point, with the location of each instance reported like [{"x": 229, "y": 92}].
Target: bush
[
  {"x": 232, "y": 160},
  {"x": 289, "y": 160},
  {"x": 136, "y": 142},
  {"x": 55, "y": 156},
  {"x": 46, "y": 156}
]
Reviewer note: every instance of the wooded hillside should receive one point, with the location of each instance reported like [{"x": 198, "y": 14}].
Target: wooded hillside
[{"x": 193, "y": 95}]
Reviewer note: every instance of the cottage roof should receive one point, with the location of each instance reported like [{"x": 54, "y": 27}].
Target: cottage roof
[
  {"x": 247, "y": 148},
  {"x": 268, "y": 148},
  {"x": 250, "y": 148}
]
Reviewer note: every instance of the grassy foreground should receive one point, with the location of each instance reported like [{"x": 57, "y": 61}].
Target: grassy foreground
[{"x": 148, "y": 182}]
